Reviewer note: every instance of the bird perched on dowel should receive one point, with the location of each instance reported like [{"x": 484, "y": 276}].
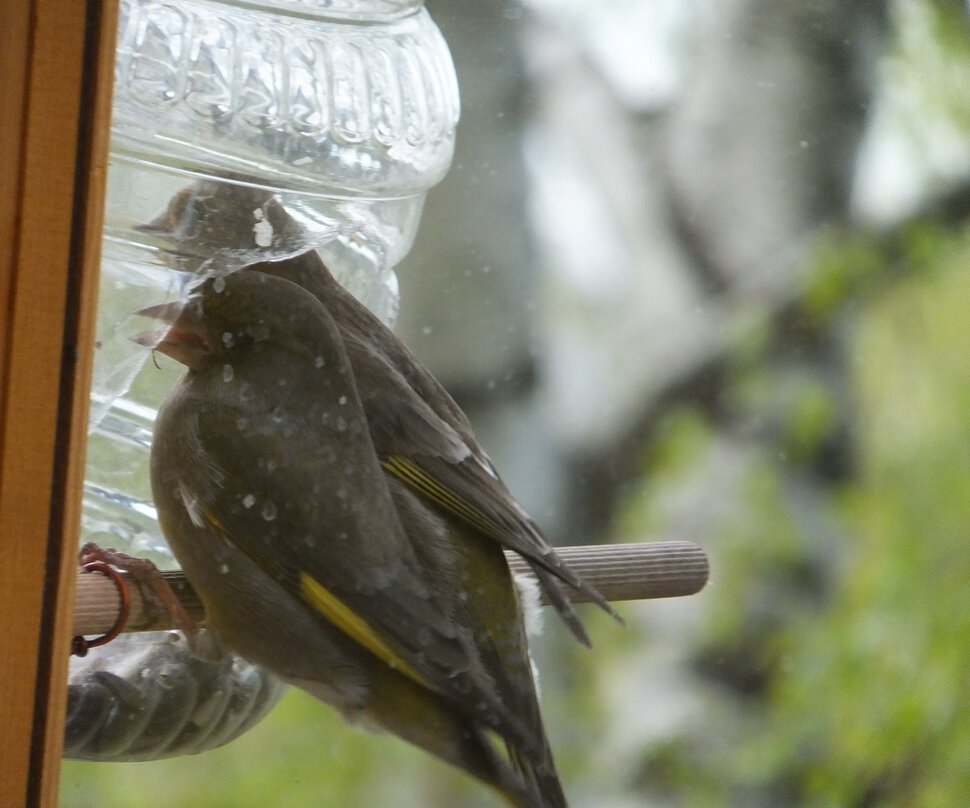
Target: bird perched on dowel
[
  {"x": 453, "y": 514},
  {"x": 420, "y": 433}
]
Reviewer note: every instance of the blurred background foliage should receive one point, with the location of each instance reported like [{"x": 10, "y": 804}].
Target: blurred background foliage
[{"x": 807, "y": 422}]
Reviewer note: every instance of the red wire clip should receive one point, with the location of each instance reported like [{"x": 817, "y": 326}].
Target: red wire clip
[{"x": 81, "y": 646}]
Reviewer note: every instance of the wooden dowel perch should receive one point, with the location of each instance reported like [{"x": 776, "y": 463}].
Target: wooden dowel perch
[{"x": 662, "y": 569}]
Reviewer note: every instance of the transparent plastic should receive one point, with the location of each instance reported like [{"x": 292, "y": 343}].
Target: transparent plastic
[
  {"x": 148, "y": 698},
  {"x": 339, "y": 113}
]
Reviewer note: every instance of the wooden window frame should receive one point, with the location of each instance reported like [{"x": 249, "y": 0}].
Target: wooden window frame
[{"x": 56, "y": 66}]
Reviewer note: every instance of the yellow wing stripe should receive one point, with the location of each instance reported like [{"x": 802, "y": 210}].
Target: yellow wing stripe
[
  {"x": 416, "y": 477},
  {"x": 344, "y": 618}
]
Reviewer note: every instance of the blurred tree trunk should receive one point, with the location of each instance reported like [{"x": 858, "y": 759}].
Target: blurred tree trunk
[
  {"x": 658, "y": 232},
  {"x": 760, "y": 150}
]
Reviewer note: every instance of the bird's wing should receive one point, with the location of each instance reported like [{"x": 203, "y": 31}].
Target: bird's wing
[
  {"x": 343, "y": 554},
  {"x": 418, "y": 447},
  {"x": 490, "y": 604}
]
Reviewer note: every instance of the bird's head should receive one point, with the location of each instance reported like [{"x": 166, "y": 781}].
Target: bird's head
[
  {"x": 229, "y": 220},
  {"x": 225, "y": 316}
]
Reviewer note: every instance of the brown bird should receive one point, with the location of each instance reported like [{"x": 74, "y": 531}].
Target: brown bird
[
  {"x": 316, "y": 559},
  {"x": 421, "y": 435}
]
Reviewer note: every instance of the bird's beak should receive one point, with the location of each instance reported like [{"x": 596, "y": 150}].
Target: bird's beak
[
  {"x": 161, "y": 225},
  {"x": 185, "y": 338},
  {"x": 166, "y": 312}
]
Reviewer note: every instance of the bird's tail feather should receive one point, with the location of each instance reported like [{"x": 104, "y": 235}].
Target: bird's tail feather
[{"x": 539, "y": 777}]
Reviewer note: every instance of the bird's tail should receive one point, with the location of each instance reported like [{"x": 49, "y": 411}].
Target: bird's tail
[{"x": 539, "y": 778}]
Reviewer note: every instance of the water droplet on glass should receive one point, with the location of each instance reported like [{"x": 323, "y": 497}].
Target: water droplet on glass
[
  {"x": 219, "y": 285},
  {"x": 248, "y": 501},
  {"x": 227, "y": 373},
  {"x": 342, "y": 401},
  {"x": 223, "y": 569},
  {"x": 269, "y": 511},
  {"x": 319, "y": 362}
]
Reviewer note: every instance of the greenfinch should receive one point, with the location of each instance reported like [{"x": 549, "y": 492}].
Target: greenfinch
[
  {"x": 302, "y": 508},
  {"x": 421, "y": 436}
]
